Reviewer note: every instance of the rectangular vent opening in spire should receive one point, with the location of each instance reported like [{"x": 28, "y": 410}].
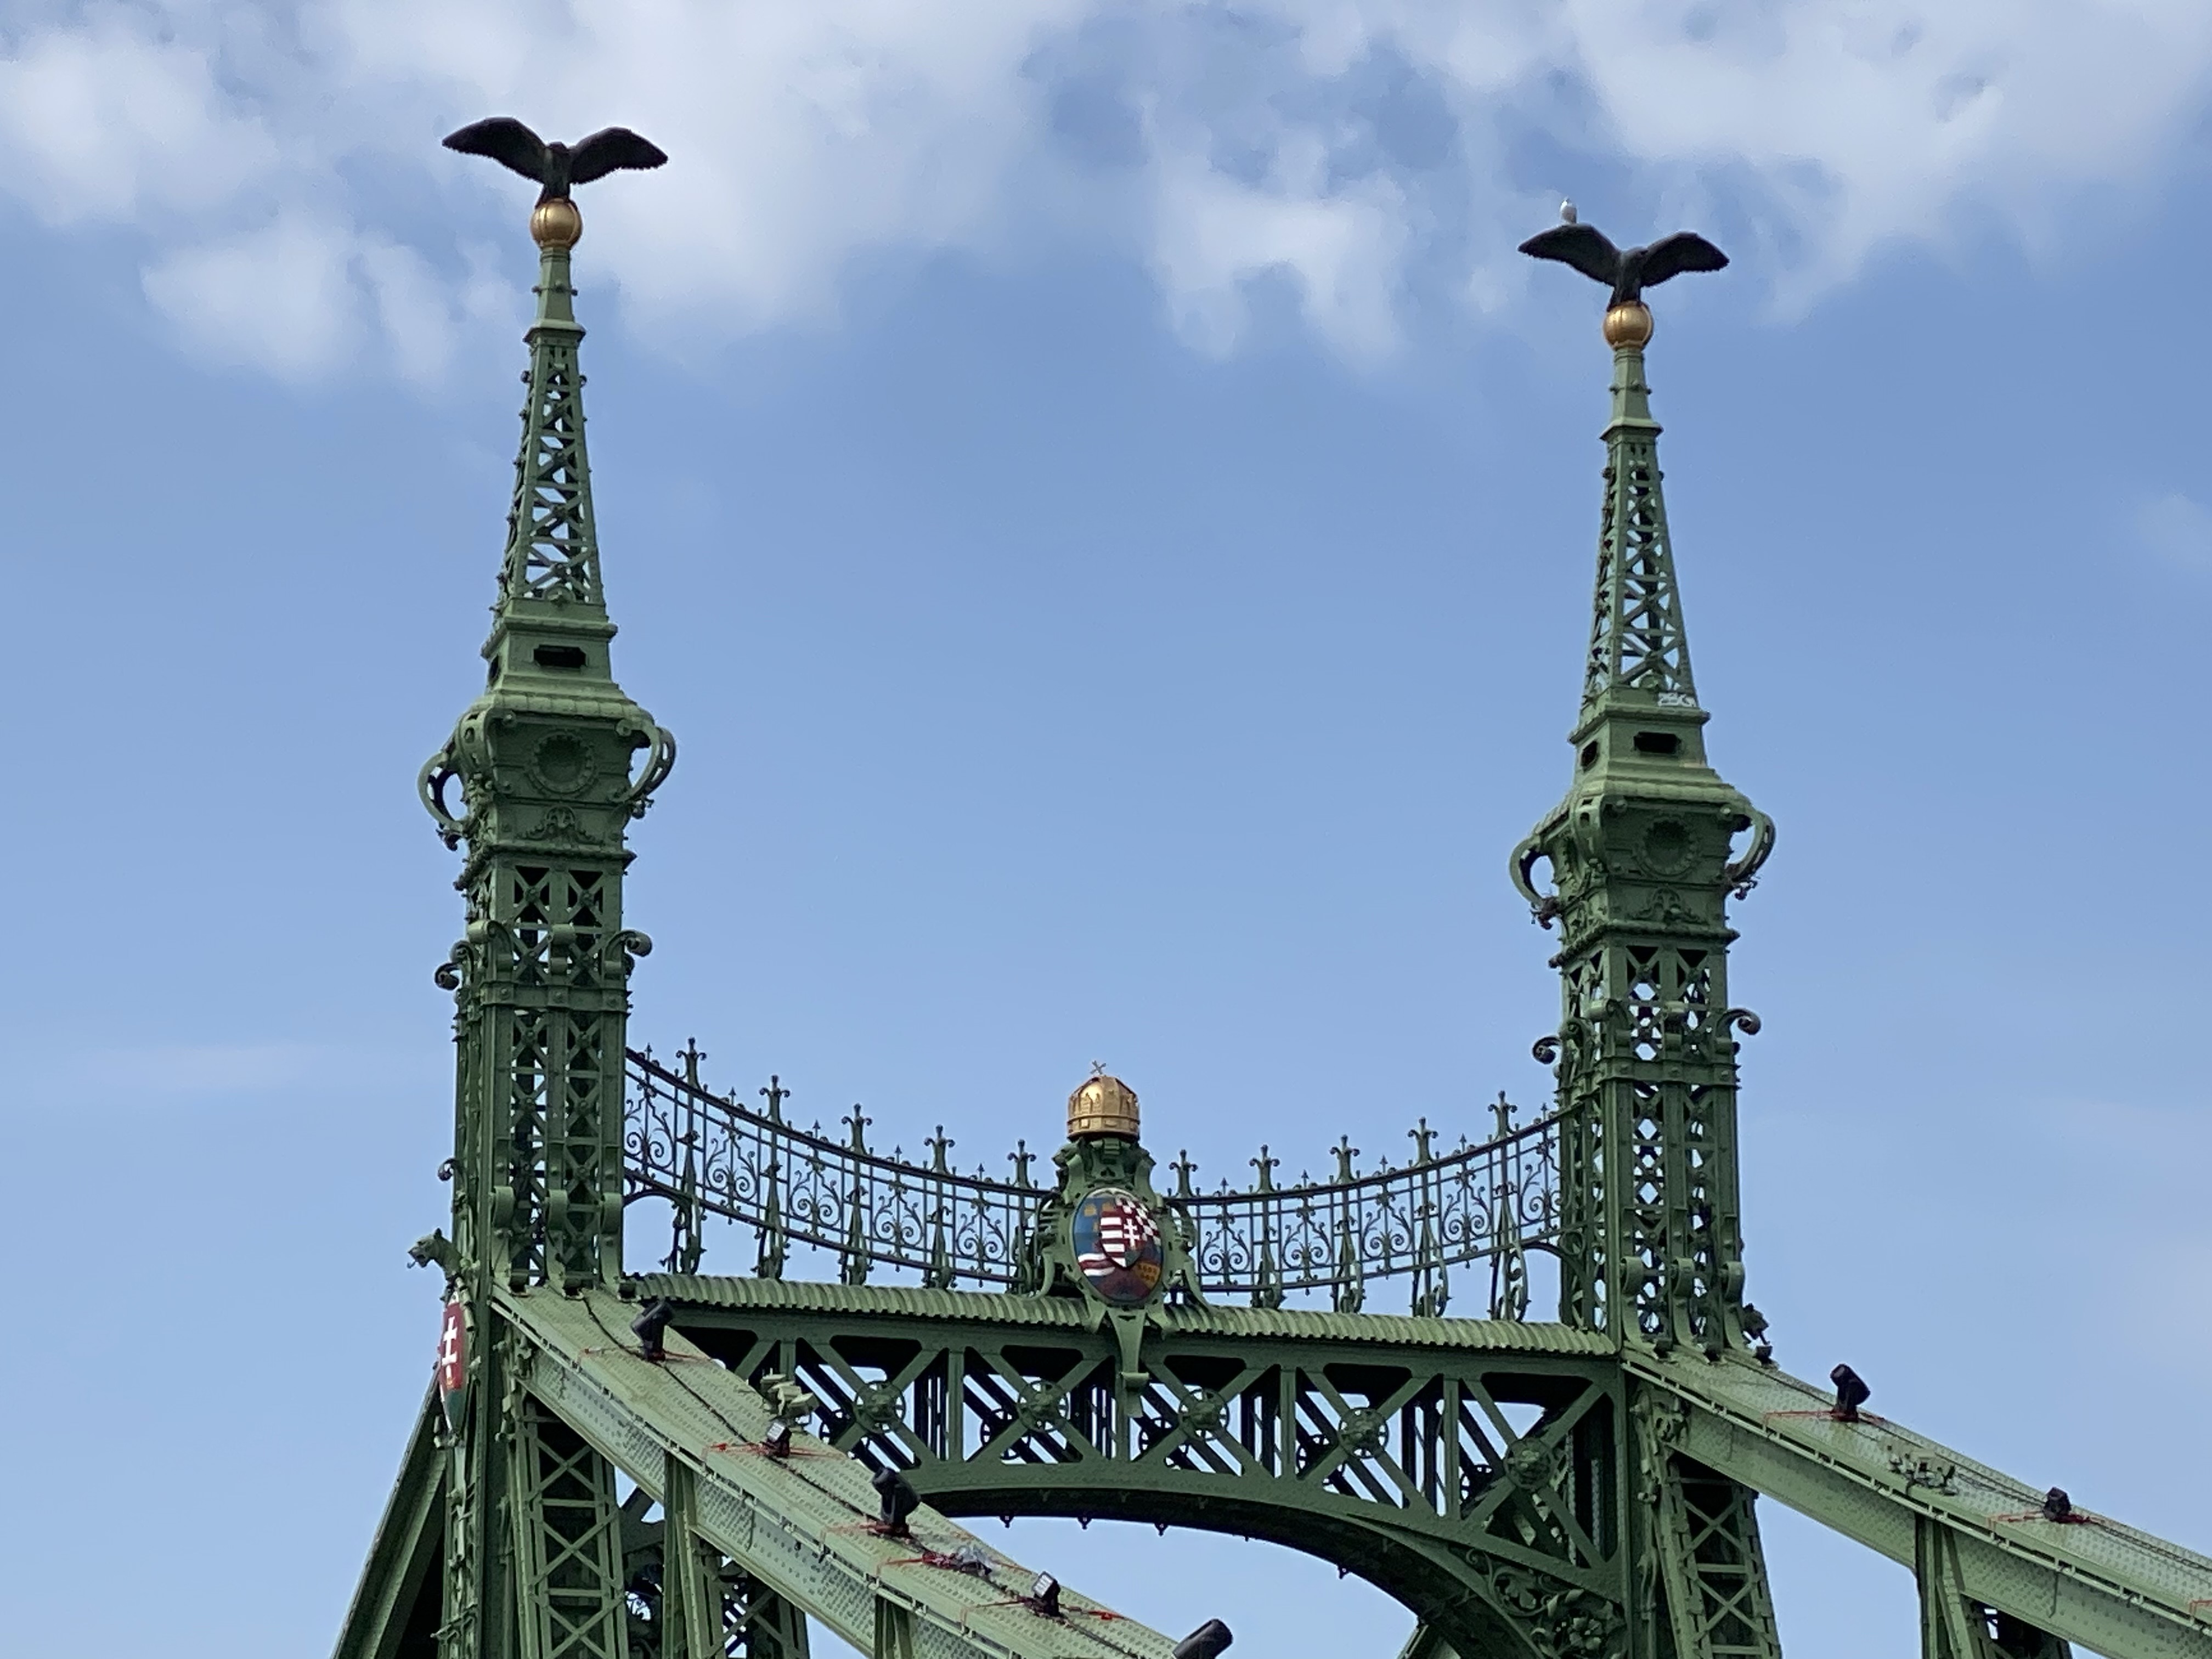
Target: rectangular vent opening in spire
[{"x": 1657, "y": 743}]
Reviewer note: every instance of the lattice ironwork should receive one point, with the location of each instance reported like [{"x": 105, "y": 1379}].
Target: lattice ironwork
[
  {"x": 1643, "y": 860},
  {"x": 1955, "y": 1625},
  {"x": 1637, "y": 639},
  {"x": 1573, "y": 1490},
  {"x": 1457, "y": 1477},
  {"x": 711, "y": 1154},
  {"x": 552, "y": 547},
  {"x": 1714, "y": 1568},
  {"x": 568, "y": 1543}
]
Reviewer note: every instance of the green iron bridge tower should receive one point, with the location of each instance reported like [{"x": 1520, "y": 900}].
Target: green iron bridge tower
[{"x": 675, "y": 1464}]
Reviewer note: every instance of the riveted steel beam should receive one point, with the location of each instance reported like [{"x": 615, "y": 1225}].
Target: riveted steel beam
[
  {"x": 803, "y": 1525},
  {"x": 2092, "y": 1581},
  {"x": 394, "y": 1613},
  {"x": 1476, "y": 1469}
]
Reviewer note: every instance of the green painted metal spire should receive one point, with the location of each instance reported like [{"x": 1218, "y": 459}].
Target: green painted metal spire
[
  {"x": 544, "y": 759},
  {"x": 552, "y": 544},
  {"x": 1644, "y": 852},
  {"x": 1640, "y": 655},
  {"x": 549, "y": 763}
]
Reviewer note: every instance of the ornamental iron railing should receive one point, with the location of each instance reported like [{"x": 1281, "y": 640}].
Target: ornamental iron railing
[{"x": 709, "y": 1154}]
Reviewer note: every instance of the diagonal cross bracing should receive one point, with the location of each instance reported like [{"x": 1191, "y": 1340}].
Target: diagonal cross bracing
[
  {"x": 802, "y": 1526},
  {"x": 1201, "y": 1452},
  {"x": 2098, "y": 1583}
]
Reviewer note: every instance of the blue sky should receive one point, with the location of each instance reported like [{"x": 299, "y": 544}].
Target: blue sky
[{"x": 1110, "y": 521}]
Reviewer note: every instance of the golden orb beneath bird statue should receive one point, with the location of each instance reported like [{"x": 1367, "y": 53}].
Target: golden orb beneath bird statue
[
  {"x": 1103, "y": 1105},
  {"x": 1628, "y": 325},
  {"x": 557, "y": 224}
]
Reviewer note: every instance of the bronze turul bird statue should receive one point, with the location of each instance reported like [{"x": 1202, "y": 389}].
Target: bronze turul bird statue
[
  {"x": 1628, "y": 271},
  {"x": 557, "y": 167}
]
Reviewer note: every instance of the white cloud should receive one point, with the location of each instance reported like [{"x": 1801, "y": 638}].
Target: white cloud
[
  {"x": 1341, "y": 250},
  {"x": 104, "y": 119},
  {"x": 1881, "y": 119},
  {"x": 278, "y": 300},
  {"x": 800, "y": 134},
  {"x": 419, "y": 313},
  {"x": 1366, "y": 150}
]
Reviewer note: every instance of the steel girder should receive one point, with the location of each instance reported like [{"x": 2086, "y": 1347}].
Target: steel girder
[
  {"x": 747, "y": 1543},
  {"x": 395, "y": 1609},
  {"x": 1487, "y": 1473},
  {"x": 1284, "y": 1426},
  {"x": 1494, "y": 1476},
  {"x": 2087, "y": 1579},
  {"x": 803, "y": 1527}
]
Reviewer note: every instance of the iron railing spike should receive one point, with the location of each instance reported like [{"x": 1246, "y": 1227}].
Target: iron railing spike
[{"x": 866, "y": 1209}]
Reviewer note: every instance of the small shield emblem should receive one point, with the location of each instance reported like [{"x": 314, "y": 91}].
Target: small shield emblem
[
  {"x": 1117, "y": 1245},
  {"x": 453, "y": 1362}
]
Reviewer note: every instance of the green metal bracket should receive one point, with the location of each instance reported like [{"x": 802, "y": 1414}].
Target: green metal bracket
[
  {"x": 395, "y": 1609},
  {"x": 691, "y": 1586}
]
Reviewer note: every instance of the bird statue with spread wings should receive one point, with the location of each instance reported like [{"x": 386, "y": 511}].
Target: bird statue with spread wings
[
  {"x": 1626, "y": 271},
  {"x": 557, "y": 168}
]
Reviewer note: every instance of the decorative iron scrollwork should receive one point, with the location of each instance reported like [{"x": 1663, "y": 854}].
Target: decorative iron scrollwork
[
  {"x": 660, "y": 762},
  {"x": 1742, "y": 875},
  {"x": 1560, "y": 1620},
  {"x": 430, "y": 783},
  {"x": 709, "y": 1155},
  {"x": 1542, "y": 906}
]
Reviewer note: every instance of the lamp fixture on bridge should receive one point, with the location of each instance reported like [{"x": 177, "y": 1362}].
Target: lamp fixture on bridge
[
  {"x": 650, "y": 1328},
  {"x": 1044, "y": 1595},
  {"x": 792, "y": 1404},
  {"x": 1209, "y": 1641},
  {"x": 899, "y": 1500},
  {"x": 1852, "y": 1392}
]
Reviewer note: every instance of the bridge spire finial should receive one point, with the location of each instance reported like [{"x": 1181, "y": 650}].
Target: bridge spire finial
[
  {"x": 545, "y": 758},
  {"x": 1643, "y": 859},
  {"x": 1639, "y": 651},
  {"x": 552, "y": 541}
]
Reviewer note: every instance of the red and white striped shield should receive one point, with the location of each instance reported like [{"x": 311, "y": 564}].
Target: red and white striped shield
[
  {"x": 1125, "y": 1228},
  {"x": 1117, "y": 1245},
  {"x": 453, "y": 1369}
]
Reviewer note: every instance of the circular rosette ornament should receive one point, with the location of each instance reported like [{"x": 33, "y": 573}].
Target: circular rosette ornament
[{"x": 1117, "y": 1245}]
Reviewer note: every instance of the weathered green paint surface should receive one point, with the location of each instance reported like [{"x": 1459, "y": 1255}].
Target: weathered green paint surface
[
  {"x": 2096, "y": 1581},
  {"x": 1473, "y": 1469},
  {"x": 545, "y": 763},
  {"x": 1578, "y": 1489},
  {"x": 1329, "y": 1432},
  {"x": 801, "y": 1525},
  {"x": 395, "y": 1609},
  {"x": 1642, "y": 864}
]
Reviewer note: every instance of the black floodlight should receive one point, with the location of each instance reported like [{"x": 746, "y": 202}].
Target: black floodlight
[
  {"x": 899, "y": 1500},
  {"x": 1207, "y": 1642},
  {"x": 1044, "y": 1595},
  {"x": 650, "y": 1326},
  {"x": 778, "y": 1443},
  {"x": 1852, "y": 1392},
  {"x": 2056, "y": 1506}
]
